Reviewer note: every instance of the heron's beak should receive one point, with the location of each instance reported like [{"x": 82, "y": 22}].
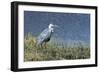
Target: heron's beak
[{"x": 56, "y": 26}]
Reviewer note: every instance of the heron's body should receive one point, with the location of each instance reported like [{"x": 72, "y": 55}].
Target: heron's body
[{"x": 45, "y": 36}]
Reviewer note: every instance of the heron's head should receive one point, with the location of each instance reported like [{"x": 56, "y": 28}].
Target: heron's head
[{"x": 51, "y": 27}]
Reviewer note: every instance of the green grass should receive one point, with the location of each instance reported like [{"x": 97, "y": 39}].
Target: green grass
[{"x": 32, "y": 52}]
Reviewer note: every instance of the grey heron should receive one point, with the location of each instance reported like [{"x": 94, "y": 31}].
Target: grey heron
[{"x": 46, "y": 35}]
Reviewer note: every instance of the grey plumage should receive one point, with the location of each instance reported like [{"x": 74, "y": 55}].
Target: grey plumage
[{"x": 46, "y": 35}]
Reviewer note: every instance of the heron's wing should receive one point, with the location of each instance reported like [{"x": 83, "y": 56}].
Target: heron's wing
[{"x": 43, "y": 35}]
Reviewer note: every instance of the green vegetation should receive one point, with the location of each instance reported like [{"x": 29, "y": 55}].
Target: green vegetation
[{"x": 32, "y": 52}]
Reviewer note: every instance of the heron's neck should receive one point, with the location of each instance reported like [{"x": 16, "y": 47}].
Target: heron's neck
[{"x": 51, "y": 30}]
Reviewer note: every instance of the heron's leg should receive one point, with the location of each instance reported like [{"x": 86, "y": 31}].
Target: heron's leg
[
  {"x": 45, "y": 45},
  {"x": 40, "y": 45}
]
